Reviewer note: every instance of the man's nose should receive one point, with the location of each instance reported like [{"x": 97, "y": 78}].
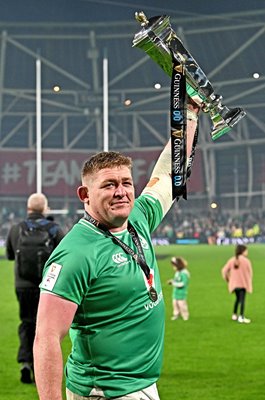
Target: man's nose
[{"x": 120, "y": 190}]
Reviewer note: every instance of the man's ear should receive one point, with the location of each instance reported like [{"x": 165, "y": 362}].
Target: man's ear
[{"x": 82, "y": 193}]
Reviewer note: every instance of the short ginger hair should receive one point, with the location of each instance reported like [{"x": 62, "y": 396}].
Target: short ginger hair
[{"x": 105, "y": 159}]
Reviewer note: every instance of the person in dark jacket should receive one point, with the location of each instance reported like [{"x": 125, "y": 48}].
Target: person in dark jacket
[{"x": 28, "y": 292}]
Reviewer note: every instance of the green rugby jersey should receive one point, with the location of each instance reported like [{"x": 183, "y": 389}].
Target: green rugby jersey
[
  {"x": 117, "y": 332},
  {"x": 183, "y": 277}
]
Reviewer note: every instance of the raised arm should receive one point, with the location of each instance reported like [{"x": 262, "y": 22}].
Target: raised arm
[
  {"x": 54, "y": 318},
  {"x": 160, "y": 182}
]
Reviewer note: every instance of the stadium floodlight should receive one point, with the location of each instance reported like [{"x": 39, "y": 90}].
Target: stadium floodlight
[
  {"x": 56, "y": 88},
  {"x": 256, "y": 75},
  {"x": 213, "y": 205}
]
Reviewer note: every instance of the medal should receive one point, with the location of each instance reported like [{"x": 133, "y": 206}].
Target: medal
[{"x": 153, "y": 294}]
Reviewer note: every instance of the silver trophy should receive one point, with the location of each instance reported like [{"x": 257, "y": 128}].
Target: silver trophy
[{"x": 161, "y": 43}]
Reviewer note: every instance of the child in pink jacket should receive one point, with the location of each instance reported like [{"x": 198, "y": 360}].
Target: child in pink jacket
[{"x": 238, "y": 273}]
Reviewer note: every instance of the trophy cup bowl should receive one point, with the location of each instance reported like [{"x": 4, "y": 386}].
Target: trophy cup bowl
[{"x": 160, "y": 42}]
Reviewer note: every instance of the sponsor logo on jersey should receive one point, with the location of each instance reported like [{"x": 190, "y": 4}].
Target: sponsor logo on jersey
[
  {"x": 143, "y": 242},
  {"x": 119, "y": 258},
  {"x": 153, "y": 304},
  {"x": 51, "y": 276}
]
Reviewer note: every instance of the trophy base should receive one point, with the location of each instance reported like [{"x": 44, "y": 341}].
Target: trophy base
[{"x": 222, "y": 125}]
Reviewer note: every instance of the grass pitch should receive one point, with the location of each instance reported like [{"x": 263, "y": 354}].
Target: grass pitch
[{"x": 208, "y": 357}]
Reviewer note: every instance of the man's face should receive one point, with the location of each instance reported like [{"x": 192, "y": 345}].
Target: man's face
[{"x": 110, "y": 196}]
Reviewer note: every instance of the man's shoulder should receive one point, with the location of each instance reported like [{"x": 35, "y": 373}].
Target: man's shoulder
[
  {"x": 146, "y": 203},
  {"x": 84, "y": 229},
  {"x": 148, "y": 199},
  {"x": 15, "y": 228},
  {"x": 37, "y": 222},
  {"x": 40, "y": 222},
  {"x": 185, "y": 272}
]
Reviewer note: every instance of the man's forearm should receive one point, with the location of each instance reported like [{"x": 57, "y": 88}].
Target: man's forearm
[
  {"x": 160, "y": 181},
  {"x": 48, "y": 367}
]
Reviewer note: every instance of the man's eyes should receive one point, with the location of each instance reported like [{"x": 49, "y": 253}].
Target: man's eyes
[
  {"x": 111, "y": 184},
  {"x": 108, "y": 184}
]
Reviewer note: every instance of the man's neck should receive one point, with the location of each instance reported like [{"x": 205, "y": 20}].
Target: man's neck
[
  {"x": 119, "y": 229},
  {"x": 114, "y": 227}
]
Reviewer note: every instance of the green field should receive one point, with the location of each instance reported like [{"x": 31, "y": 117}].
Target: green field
[{"x": 208, "y": 357}]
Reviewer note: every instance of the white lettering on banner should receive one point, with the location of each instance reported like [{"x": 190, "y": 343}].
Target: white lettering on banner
[
  {"x": 53, "y": 172},
  {"x": 69, "y": 172},
  {"x": 234, "y": 241},
  {"x": 11, "y": 172},
  {"x": 176, "y": 91},
  {"x": 31, "y": 167},
  {"x": 61, "y": 171},
  {"x": 49, "y": 173}
]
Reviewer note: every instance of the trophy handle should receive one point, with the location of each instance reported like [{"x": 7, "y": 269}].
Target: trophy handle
[{"x": 141, "y": 17}]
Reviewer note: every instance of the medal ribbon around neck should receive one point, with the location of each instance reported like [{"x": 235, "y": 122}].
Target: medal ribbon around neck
[{"x": 139, "y": 258}]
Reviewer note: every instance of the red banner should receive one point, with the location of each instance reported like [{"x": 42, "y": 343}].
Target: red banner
[{"x": 61, "y": 172}]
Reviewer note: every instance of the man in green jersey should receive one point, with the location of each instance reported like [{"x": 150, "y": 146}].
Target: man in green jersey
[{"x": 102, "y": 285}]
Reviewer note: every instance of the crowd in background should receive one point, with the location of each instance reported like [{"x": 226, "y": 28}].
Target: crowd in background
[{"x": 206, "y": 226}]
